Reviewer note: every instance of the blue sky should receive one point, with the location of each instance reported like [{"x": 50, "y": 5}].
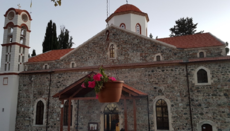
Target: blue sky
[{"x": 85, "y": 18}]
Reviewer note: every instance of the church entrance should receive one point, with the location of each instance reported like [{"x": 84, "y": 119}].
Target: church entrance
[
  {"x": 206, "y": 127},
  {"x": 111, "y": 116}
]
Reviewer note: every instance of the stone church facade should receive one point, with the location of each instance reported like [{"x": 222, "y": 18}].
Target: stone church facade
[{"x": 175, "y": 84}]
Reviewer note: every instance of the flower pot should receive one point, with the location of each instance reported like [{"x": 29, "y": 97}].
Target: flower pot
[{"x": 111, "y": 92}]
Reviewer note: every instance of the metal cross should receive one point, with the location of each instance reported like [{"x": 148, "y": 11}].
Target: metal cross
[
  {"x": 19, "y": 6},
  {"x": 126, "y": 1}
]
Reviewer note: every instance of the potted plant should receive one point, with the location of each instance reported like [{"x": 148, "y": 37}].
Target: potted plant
[{"x": 107, "y": 89}]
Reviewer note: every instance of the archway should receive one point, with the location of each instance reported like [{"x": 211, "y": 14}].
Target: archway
[
  {"x": 206, "y": 127},
  {"x": 111, "y": 117}
]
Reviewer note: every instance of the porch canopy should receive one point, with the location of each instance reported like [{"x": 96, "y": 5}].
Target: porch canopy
[{"x": 76, "y": 92}]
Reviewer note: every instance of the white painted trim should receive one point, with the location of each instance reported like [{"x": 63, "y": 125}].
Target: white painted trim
[
  {"x": 44, "y": 114},
  {"x": 115, "y": 50},
  {"x": 47, "y": 66},
  {"x": 202, "y": 122},
  {"x": 71, "y": 64},
  {"x": 169, "y": 112},
  {"x": 198, "y": 53},
  {"x": 158, "y": 54},
  {"x": 102, "y": 118},
  {"x": 196, "y": 78}
]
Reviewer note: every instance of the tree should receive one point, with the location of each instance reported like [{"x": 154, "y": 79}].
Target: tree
[
  {"x": 56, "y": 2},
  {"x": 64, "y": 40},
  {"x": 184, "y": 26},
  {"x": 150, "y": 36},
  {"x": 50, "y": 40},
  {"x": 33, "y": 53},
  {"x": 227, "y": 49}
]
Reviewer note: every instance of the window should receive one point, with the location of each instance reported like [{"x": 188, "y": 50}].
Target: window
[
  {"x": 123, "y": 26},
  {"x": 138, "y": 28},
  {"x": 19, "y": 49},
  {"x": 10, "y": 48},
  {"x": 6, "y": 58},
  {"x": 206, "y": 127},
  {"x": 9, "y": 58},
  {"x": 22, "y": 58},
  {"x": 18, "y": 67},
  {"x": 5, "y": 67},
  {"x": 8, "y": 67},
  {"x": 158, "y": 58},
  {"x": 19, "y": 57},
  {"x": 111, "y": 51},
  {"x": 23, "y": 51},
  {"x": 162, "y": 115},
  {"x": 202, "y": 76},
  {"x": 201, "y": 54},
  {"x": 66, "y": 110},
  {"x": 45, "y": 66},
  {"x": 72, "y": 65},
  {"x": 6, "y": 48},
  {"x": 39, "y": 113}
]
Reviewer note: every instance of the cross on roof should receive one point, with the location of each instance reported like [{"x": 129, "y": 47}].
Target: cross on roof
[{"x": 126, "y": 1}]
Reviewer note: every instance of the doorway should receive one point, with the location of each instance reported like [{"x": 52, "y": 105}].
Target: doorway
[
  {"x": 206, "y": 127},
  {"x": 111, "y": 118}
]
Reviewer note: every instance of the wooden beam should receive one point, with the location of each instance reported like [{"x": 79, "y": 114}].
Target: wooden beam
[
  {"x": 84, "y": 98},
  {"x": 69, "y": 114},
  {"x": 134, "y": 115},
  {"x": 61, "y": 119},
  {"x": 76, "y": 93},
  {"x": 130, "y": 92},
  {"x": 125, "y": 114}
]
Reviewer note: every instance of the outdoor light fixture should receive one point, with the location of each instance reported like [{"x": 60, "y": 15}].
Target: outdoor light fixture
[{"x": 62, "y": 106}]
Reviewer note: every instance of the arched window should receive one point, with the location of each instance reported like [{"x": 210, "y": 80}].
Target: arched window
[
  {"x": 206, "y": 127},
  {"x": 10, "y": 33},
  {"x": 112, "y": 51},
  {"x": 158, "y": 58},
  {"x": 39, "y": 113},
  {"x": 138, "y": 28},
  {"x": 202, "y": 76},
  {"x": 72, "y": 65},
  {"x": 201, "y": 54},
  {"x": 122, "y": 25},
  {"x": 162, "y": 115},
  {"x": 23, "y": 35},
  {"x": 66, "y": 110}
]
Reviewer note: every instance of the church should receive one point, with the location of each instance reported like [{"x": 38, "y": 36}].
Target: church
[{"x": 170, "y": 84}]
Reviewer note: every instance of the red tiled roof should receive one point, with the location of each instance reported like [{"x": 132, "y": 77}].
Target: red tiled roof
[
  {"x": 127, "y": 7},
  {"x": 193, "y": 41},
  {"x": 50, "y": 55}
]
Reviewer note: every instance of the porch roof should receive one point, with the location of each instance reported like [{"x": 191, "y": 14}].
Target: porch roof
[{"x": 75, "y": 90}]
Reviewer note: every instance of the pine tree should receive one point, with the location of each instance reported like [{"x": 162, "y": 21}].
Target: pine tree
[
  {"x": 64, "y": 40},
  {"x": 33, "y": 53},
  {"x": 184, "y": 26},
  {"x": 50, "y": 40}
]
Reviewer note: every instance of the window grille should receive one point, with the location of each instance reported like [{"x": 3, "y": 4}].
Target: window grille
[
  {"x": 158, "y": 58},
  {"x": 201, "y": 54},
  {"x": 112, "y": 52},
  {"x": 162, "y": 115}
]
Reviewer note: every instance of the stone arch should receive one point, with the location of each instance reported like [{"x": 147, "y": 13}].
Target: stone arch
[
  {"x": 202, "y": 122},
  {"x": 102, "y": 118},
  {"x": 158, "y": 54},
  {"x": 208, "y": 76},
  {"x": 35, "y": 109},
  {"x": 198, "y": 53},
  {"x": 169, "y": 112}
]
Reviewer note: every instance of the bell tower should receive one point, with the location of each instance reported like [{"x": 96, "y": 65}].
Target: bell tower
[{"x": 14, "y": 53}]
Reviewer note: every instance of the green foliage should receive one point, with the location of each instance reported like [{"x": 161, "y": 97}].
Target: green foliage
[
  {"x": 150, "y": 36},
  {"x": 64, "y": 40},
  {"x": 227, "y": 49},
  {"x": 56, "y": 2},
  {"x": 33, "y": 53},
  {"x": 184, "y": 26},
  {"x": 50, "y": 41}
]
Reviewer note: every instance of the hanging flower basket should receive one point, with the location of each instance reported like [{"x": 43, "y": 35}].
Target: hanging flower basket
[
  {"x": 110, "y": 92},
  {"x": 107, "y": 89}
]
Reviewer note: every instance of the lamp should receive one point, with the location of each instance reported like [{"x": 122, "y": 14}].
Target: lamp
[{"x": 61, "y": 105}]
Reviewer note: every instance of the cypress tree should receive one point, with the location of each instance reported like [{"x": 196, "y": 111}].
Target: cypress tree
[
  {"x": 33, "y": 53},
  {"x": 65, "y": 41},
  {"x": 50, "y": 40}
]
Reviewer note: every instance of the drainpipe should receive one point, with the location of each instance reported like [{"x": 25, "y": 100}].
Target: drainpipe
[
  {"x": 48, "y": 103},
  {"x": 189, "y": 98},
  {"x": 148, "y": 111}
]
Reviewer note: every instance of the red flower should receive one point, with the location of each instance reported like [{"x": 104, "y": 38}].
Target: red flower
[
  {"x": 112, "y": 78},
  {"x": 97, "y": 77},
  {"x": 83, "y": 85},
  {"x": 91, "y": 84},
  {"x": 97, "y": 96}
]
